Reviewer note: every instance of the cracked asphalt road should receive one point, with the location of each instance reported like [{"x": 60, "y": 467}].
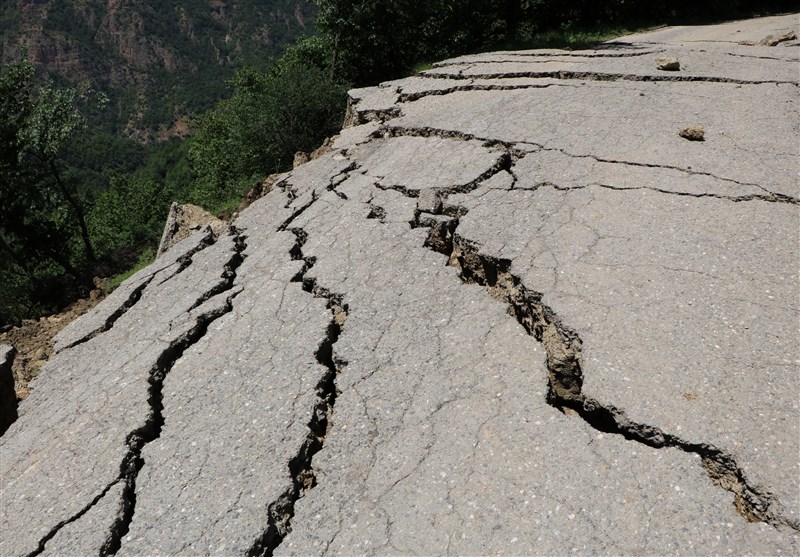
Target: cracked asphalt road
[{"x": 511, "y": 312}]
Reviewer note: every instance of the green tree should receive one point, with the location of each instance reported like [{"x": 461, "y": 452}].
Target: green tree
[
  {"x": 42, "y": 214},
  {"x": 370, "y": 40},
  {"x": 52, "y": 122},
  {"x": 257, "y": 131},
  {"x": 129, "y": 215}
]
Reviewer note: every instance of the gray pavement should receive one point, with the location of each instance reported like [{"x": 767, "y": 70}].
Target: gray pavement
[{"x": 513, "y": 312}]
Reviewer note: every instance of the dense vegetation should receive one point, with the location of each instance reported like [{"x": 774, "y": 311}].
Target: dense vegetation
[
  {"x": 78, "y": 200},
  {"x": 157, "y": 60}
]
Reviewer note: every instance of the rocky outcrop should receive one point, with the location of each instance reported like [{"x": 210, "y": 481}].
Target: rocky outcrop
[
  {"x": 185, "y": 220},
  {"x": 511, "y": 311}
]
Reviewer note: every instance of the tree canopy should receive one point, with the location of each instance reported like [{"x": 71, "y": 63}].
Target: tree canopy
[
  {"x": 256, "y": 132},
  {"x": 43, "y": 230}
]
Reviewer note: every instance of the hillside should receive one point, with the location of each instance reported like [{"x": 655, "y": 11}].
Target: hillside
[{"x": 158, "y": 60}]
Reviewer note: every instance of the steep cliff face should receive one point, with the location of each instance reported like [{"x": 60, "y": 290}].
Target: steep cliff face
[{"x": 141, "y": 51}]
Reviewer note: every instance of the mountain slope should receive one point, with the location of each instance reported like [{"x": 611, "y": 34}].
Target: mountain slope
[{"x": 157, "y": 59}]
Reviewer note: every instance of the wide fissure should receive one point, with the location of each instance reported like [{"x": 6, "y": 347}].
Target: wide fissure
[
  {"x": 133, "y": 461},
  {"x": 301, "y": 470},
  {"x": 565, "y": 376}
]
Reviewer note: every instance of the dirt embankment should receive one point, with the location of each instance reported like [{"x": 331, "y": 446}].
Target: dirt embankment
[{"x": 33, "y": 340}]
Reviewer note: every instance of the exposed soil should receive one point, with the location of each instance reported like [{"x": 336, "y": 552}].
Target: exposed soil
[{"x": 33, "y": 339}]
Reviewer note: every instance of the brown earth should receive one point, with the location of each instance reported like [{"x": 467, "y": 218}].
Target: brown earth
[{"x": 33, "y": 339}]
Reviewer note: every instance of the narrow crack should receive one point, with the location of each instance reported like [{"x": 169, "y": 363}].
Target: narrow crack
[
  {"x": 297, "y": 212},
  {"x": 183, "y": 263},
  {"x": 503, "y": 163},
  {"x": 595, "y": 76},
  {"x": 133, "y": 462},
  {"x": 770, "y": 196},
  {"x": 788, "y": 60},
  {"x": 301, "y": 470},
  {"x": 562, "y": 54},
  {"x": 411, "y": 97},
  {"x": 289, "y": 190},
  {"x": 360, "y": 117},
  {"x": 52, "y": 533},
  {"x": 340, "y": 178},
  {"x": 565, "y": 375},
  {"x": 229, "y": 274},
  {"x": 377, "y": 212},
  {"x": 767, "y": 196}
]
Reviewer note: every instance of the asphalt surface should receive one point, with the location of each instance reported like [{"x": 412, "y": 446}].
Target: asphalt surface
[{"x": 512, "y": 312}]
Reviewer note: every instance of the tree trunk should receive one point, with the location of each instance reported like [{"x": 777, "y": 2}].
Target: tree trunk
[{"x": 76, "y": 207}]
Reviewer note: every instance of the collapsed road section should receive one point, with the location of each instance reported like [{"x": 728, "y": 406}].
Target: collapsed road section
[{"x": 511, "y": 311}]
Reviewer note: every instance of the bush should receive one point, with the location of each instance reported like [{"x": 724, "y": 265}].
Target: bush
[
  {"x": 257, "y": 131},
  {"x": 129, "y": 215}
]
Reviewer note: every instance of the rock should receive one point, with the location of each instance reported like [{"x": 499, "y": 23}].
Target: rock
[
  {"x": 300, "y": 158},
  {"x": 669, "y": 64},
  {"x": 429, "y": 201},
  {"x": 771, "y": 40},
  {"x": 259, "y": 190},
  {"x": 774, "y": 41},
  {"x": 8, "y": 396},
  {"x": 38, "y": 354},
  {"x": 325, "y": 148},
  {"x": 693, "y": 133},
  {"x": 185, "y": 220}
]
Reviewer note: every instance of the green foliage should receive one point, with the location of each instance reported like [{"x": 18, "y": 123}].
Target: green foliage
[
  {"x": 93, "y": 153},
  {"x": 257, "y": 131},
  {"x": 37, "y": 204},
  {"x": 42, "y": 214},
  {"x": 146, "y": 257},
  {"x": 129, "y": 214}
]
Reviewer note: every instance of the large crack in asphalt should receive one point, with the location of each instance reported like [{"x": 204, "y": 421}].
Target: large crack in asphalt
[
  {"x": 136, "y": 294},
  {"x": 133, "y": 461},
  {"x": 565, "y": 381},
  {"x": 565, "y": 372},
  {"x": 597, "y": 76},
  {"x": 301, "y": 471}
]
